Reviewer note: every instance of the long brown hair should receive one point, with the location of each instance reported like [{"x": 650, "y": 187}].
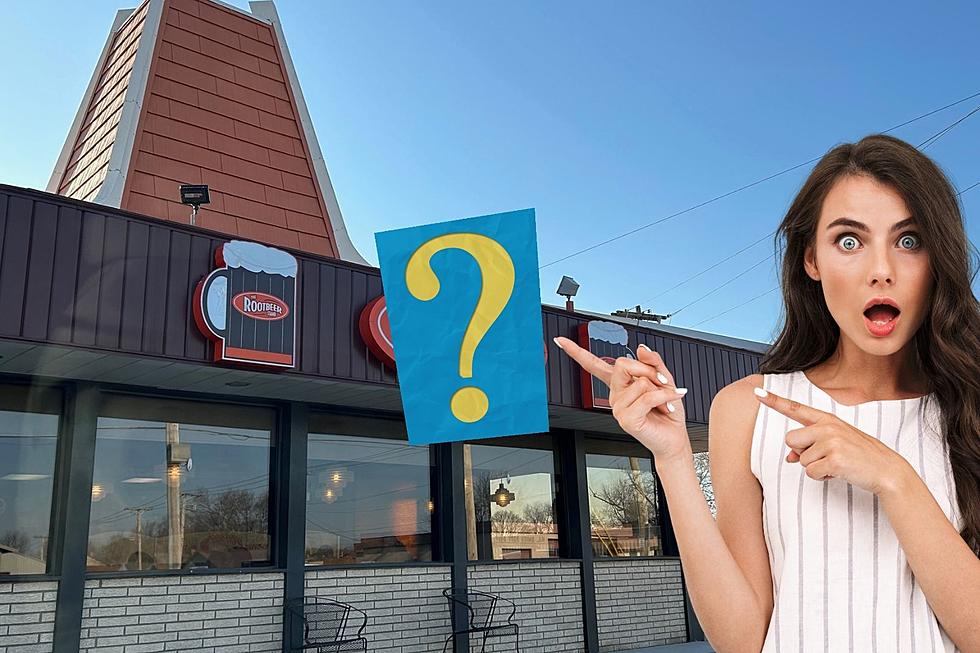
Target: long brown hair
[{"x": 946, "y": 346}]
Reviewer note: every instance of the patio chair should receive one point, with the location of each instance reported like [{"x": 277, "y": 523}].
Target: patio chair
[
  {"x": 484, "y": 616},
  {"x": 327, "y": 625}
]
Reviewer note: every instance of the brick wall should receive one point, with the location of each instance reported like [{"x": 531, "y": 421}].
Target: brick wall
[
  {"x": 231, "y": 613},
  {"x": 27, "y": 616},
  {"x": 549, "y": 603},
  {"x": 639, "y": 603},
  {"x": 406, "y": 610}
]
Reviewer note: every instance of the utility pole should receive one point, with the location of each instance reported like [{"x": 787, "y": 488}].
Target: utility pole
[
  {"x": 44, "y": 547},
  {"x": 139, "y": 534},
  {"x": 175, "y": 543},
  {"x": 468, "y": 480},
  {"x": 643, "y": 510}
]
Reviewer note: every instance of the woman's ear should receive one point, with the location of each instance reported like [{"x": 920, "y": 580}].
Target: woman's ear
[{"x": 810, "y": 263}]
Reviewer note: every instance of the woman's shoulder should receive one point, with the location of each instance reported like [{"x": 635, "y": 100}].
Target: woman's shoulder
[{"x": 736, "y": 403}]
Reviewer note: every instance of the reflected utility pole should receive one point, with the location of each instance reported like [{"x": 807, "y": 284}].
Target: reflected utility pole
[
  {"x": 643, "y": 509},
  {"x": 175, "y": 543},
  {"x": 139, "y": 534}
]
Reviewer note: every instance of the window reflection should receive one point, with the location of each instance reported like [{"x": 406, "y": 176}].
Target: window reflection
[
  {"x": 510, "y": 501},
  {"x": 28, "y": 441},
  {"x": 179, "y": 494},
  {"x": 623, "y": 504},
  {"x": 368, "y": 493}
]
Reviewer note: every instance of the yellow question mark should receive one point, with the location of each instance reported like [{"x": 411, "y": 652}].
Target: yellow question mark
[{"x": 468, "y": 404}]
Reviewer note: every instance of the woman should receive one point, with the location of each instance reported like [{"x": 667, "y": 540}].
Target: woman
[{"x": 847, "y": 472}]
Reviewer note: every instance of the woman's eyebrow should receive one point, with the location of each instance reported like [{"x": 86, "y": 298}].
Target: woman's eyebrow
[{"x": 860, "y": 226}]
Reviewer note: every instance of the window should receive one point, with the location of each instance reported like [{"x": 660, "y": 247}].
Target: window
[
  {"x": 368, "y": 496},
  {"x": 28, "y": 442},
  {"x": 702, "y": 467},
  {"x": 623, "y": 506},
  {"x": 510, "y": 494},
  {"x": 180, "y": 484}
]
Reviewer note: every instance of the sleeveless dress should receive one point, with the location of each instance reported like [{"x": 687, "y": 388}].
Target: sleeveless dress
[{"x": 841, "y": 581}]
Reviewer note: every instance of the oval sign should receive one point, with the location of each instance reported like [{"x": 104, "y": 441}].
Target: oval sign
[
  {"x": 376, "y": 330},
  {"x": 260, "y": 306}
]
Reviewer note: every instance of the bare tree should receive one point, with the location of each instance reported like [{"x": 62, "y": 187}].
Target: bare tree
[
  {"x": 540, "y": 515},
  {"x": 235, "y": 518},
  {"x": 537, "y": 517},
  {"x": 703, "y": 469},
  {"x": 481, "y": 495},
  {"x": 621, "y": 502},
  {"x": 508, "y": 521},
  {"x": 16, "y": 540}
]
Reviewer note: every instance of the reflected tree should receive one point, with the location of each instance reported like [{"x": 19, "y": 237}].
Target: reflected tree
[
  {"x": 19, "y": 541},
  {"x": 629, "y": 500},
  {"x": 702, "y": 468},
  {"x": 537, "y": 517}
]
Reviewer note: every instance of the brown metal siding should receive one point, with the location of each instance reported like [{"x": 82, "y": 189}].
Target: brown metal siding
[
  {"x": 703, "y": 367},
  {"x": 102, "y": 278}
]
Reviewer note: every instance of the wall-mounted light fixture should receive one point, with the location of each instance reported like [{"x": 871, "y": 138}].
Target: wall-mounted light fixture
[
  {"x": 567, "y": 288},
  {"x": 194, "y": 195}
]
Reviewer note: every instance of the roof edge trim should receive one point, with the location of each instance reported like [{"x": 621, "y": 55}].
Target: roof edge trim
[
  {"x": 111, "y": 191},
  {"x": 266, "y": 10},
  {"x": 76, "y": 126}
]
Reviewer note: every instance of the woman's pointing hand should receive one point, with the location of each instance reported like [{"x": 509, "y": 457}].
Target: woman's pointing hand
[{"x": 640, "y": 392}]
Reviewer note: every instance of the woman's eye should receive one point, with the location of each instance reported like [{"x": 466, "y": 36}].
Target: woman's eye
[
  {"x": 909, "y": 238},
  {"x": 849, "y": 242},
  {"x": 847, "y": 238}
]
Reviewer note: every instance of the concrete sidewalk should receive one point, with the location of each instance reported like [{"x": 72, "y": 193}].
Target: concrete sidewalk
[{"x": 689, "y": 647}]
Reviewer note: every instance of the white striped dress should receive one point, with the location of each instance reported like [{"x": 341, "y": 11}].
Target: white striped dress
[{"x": 841, "y": 582}]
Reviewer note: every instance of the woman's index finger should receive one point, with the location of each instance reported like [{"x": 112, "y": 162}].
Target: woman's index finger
[{"x": 589, "y": 361}]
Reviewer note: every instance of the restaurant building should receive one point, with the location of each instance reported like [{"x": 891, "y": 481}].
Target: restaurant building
[{"x": 201, "y": 421}]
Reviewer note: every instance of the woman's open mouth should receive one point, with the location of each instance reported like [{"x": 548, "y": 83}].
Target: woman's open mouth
[{"x": 881, "y": 319}]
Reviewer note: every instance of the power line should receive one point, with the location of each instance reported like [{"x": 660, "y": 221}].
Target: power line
[
  {"x": 736, "y": 306},
  {"x": 717, "y": 288},
  {"x": 747, "y": 186},
  {"x": 748, "y": 301},
  {"x": 970, "y": 187},
  {"x": 674, "y": 215},
  {"x": 935, "y": 137},
  {"x": 708, "y": 269},
  {"x": 929, "y": 141}
]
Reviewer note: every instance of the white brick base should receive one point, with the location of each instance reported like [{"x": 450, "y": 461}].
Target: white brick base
[
  {"x": 215, "y": 613},
  {"x": 639, "y": 603},
  {"x": 406, "y": 610},
  {"x": 549, "y": 603},
  {"x": 27, "y": 616}
]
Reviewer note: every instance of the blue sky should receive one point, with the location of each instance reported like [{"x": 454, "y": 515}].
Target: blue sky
[{"x": 601, "y": 116}]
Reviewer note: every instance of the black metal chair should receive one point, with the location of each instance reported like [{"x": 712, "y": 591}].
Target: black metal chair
[
  {"x": 483, "y": 616},
  {"x": 326, "y": 626}
]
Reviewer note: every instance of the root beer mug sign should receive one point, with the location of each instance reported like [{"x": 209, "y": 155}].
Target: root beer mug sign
[
  {"x": 246, "y": 305},
  {"x": 607, "y": 340}
]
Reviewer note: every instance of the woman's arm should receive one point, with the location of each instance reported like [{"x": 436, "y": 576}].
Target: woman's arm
[
  {"x": 725, "y": 563},
  {"x": 943, "y": 564}
]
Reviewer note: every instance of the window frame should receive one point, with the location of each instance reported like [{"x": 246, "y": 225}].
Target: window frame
[
  {"x": 591, "y": 437},
  {"x": 60, "y": 454},
  {"x": 277, "y": 475},
  {"x": 547, "y": 441},
  {"x": 351, "y": 419}
]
